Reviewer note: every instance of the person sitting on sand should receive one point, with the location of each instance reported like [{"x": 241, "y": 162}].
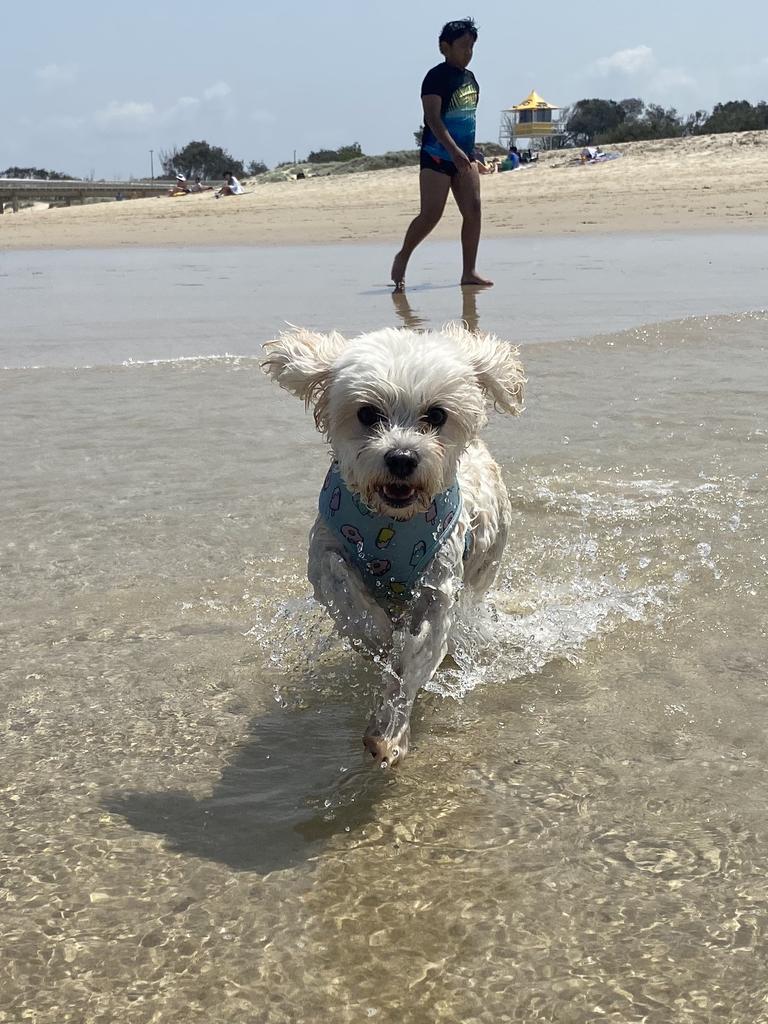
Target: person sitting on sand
[
  {"x": 589, "y": 154},
  {"x": 483, "y": 166},
  {"x": 231, "y": 186},
  {"x": 513, "y": 159},
  {"x": 180, "y": 187},
  {"x": 198, "y": 186}
]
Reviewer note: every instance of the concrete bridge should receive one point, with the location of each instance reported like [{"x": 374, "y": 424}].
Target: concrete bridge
[{"x": 14, "y": 191}]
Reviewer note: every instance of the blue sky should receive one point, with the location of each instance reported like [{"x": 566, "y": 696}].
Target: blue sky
[{"x": 94, "y": 86}]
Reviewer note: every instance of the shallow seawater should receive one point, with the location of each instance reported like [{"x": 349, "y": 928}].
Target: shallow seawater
[{"x": 192, "y": 831}]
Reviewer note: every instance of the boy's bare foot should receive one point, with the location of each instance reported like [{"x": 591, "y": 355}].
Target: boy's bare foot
[
  {"x": 398, "y": 272},
  {"x": 475, "y": 279}
]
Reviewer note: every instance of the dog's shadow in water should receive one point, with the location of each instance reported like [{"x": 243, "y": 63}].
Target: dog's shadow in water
[{"x": 297, "y": 781}]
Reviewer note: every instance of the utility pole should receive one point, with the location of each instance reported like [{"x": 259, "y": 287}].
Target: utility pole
[{"x": 152, "y": 163}]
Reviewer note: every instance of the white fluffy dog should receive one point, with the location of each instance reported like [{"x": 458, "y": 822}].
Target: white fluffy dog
[{"x": 414, "y": 514}]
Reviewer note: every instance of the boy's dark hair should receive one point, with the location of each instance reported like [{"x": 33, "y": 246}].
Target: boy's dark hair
[{"x": 453, "y": 30}]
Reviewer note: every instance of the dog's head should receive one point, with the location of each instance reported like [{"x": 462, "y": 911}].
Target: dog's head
[{"x": 398, "y": 407}]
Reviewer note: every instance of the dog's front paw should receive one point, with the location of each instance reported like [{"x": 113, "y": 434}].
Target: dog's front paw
[{"x": 386, "y": 746}]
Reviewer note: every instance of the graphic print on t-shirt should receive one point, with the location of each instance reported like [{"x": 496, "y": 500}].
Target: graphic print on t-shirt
[{"x": 459, "y": 92}]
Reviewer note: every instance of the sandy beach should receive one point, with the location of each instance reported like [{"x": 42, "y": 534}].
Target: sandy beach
[{"x": 703, "y": 183}]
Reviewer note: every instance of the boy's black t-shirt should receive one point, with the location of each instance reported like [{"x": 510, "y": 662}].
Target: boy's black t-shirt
[{"x": 459, "y": 92}]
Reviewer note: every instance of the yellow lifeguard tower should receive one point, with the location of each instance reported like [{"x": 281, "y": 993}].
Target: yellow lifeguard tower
[{"x": 532, "y": 120}]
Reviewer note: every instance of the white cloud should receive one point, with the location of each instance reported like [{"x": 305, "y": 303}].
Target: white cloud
[
  {"x": 672, "y": 78},
  {"x": 628, "y": 62},
  {"x": 640, "y": 64},
  {"x": 183, "y": 106},
  {"x": 125, "y": 119},
  {"x": 128, "y": 113},
  {"x": 217, "y": 91},
  {"x": 56, "y": 74}
]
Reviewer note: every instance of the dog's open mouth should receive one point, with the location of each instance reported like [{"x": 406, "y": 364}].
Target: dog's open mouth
[{"x": 398, "y": 495}]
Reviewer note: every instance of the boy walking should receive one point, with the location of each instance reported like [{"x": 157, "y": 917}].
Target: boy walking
[{"x": 449, "y": 96}]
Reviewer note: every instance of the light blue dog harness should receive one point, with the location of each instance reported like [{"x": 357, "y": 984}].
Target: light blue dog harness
[{"x": 391, "y": 554}]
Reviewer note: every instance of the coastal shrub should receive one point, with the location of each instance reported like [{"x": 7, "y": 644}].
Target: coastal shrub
[
  {"x": 397, "y": 158},
  {"x": 343, "y": 153},
  {"x": 735, "y": 116},
  {"x": 37, "y": 173},
  {"x": 385, "y": 161},
  {"x": 492, "y": 148}
]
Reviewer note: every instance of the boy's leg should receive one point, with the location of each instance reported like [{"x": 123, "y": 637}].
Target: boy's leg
[
  {"x": 433, "y": 188},
  {"x": 466, "y": 192}
]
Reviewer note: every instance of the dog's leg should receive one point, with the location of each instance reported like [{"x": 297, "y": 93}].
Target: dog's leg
[
  {"x": 481, "y": 569},
  {"x": 342, "y": 591},
  {"x": 416, "y": 655}
]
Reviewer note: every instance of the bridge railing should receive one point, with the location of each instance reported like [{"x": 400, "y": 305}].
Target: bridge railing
[{"x": 17, "y": 190}]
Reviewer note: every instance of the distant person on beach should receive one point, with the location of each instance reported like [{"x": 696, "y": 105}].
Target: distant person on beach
[
  {"x": 180, "y": 187},
  {"x": 200, "y": 187},
  {"x": 483, "y": 166},
  {"x": 231, "y": 186},
  {"x": 449, "y": 95},
  {"x": 511, "y": 161}
]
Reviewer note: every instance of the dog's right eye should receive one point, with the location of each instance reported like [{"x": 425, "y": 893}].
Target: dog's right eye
[{"x": 369, "y": 415}]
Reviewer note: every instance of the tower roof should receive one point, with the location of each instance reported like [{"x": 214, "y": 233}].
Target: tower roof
[{"x": 534, "y": 102}]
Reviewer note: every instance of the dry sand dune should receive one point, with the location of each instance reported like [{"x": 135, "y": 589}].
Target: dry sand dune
[{"x": 707, "y": 182}]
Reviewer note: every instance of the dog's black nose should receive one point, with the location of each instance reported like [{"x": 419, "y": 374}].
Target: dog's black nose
[{"x": 401, "y": 463}]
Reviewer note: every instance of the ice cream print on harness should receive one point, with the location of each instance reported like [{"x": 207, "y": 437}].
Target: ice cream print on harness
[{"x": 391, "y": 554}]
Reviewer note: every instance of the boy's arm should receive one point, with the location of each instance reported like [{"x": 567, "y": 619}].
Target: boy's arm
[{"x": 432, "y": 106}]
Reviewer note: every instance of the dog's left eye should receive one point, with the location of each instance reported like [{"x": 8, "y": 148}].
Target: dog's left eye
[
  {"x": 435, "y": 416},
  {"x": 369, "y": 415}
]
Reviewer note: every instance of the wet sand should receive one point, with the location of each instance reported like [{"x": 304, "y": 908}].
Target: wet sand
[
  {"x": 87, "y": 308},
  {"x": 705, "y": 183}
]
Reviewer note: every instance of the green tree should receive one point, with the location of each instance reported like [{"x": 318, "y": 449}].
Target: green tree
[
  {"x": 655, "y": 123},
  {"x": 633, "y": 108},
  {"x": 256, "y": 167},
  {"x": 593, "y": 117},
  {"x": 694, "y": 123},
  {"x": 736, "y": 116},
  {"x": 200, "y": 160},
  {"x": 662, "y": 123}
]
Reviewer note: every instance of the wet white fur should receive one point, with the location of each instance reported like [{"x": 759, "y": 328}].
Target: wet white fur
[{"x": 404, "y": 373}]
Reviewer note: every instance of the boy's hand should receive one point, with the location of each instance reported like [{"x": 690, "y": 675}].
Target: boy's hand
[{"x": 462, "y": 161}]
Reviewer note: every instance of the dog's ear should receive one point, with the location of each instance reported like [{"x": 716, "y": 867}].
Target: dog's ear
[
  {"x": 301, "y": 362},
  {"x": 497, "y": 368}
]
